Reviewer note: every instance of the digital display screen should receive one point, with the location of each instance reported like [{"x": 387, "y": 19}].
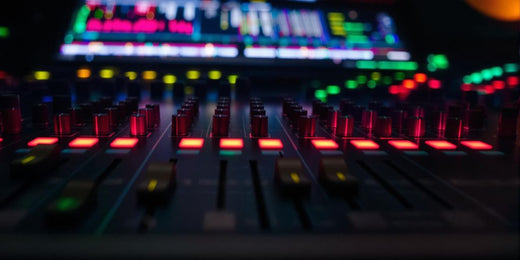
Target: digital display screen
[{"x": 235, "y": 30}]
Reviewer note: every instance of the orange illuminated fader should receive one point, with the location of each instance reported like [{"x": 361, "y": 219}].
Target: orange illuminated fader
[
  {"x": 270, "y": 144},
  {"x": 440, "y": 144},
  {"x": 231, "y": 143},
  {"x": 477, "y": 145},
  {"x": 124, "y": 143},
  {"x": 403, "y": 144},
  {"x": 191, "y": 143},
  {"x": 325, "y": 144},
  {"x": 84, "y": 142},
  {"x": 42, "y": 140},
  {"x": 365, "y": 144}
]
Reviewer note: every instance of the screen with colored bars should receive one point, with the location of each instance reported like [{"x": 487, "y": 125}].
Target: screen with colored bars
[{"x": 235, "y": 30}]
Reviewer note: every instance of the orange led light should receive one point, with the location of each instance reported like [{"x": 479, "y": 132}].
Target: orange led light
[
  {"x": 477, "y": 145},
  {"x": 365, "y": 144},
  {"x": 231, "y": 143},
  {"x": 42, "y": 140},
  {"x": 191, "y": 143},
  {"x": 327, "y": 144},
  {"x": 270, "y": 144},
  {"x": 403, "y": 144},
  {"x": 83, "y": 142},
  {"x": 441, "y": 144},
  {"x": 125, "y": 143},
  {"x": 408, "y": 83},
  {"x": 420, "y": 77}
]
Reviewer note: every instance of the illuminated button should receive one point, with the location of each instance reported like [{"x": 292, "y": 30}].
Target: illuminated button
[
  {"x": 325, "y": 144},
  {"x": 441, "y": 144},
  {"x": 477, "y": 145},
  {"x": 191, "y": 143},
  {"x": 270, "y": 144},
  {"x": 365, "y": 144},
  {"x": 42, "y": 140},
  {"x": 231, "y": 143},
  {"x": 403, "y": 144},
  {"x": 83, "y": 142},
  {"x": 124, "y": 143}
]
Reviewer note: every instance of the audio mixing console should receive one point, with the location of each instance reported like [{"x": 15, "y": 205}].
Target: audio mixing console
[{"x": 234, "y": 129}]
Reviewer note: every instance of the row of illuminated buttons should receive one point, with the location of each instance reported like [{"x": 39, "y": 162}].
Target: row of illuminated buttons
[{"x": 237, "y": 143}]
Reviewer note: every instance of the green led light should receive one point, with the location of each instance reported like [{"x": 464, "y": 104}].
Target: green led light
[
  {"x": 497, "y": 71},
  {"x": 366, "y": 64},
  {"x": 320, "y": 94},
  {"x": 476, "y": 78},
  {"x": 98, "y": 14},
  {"x": 487, "y": 74},
  {"x": 466, "y": 79},
  {"x": 441, "y": 61},
  {"x": 397, "y": 65},
  {"x": 357, "y": 38},
  {"x": 230, "y": 152},
  {"x": 362, "y": 79},
  {"x": 80, "y": 25},
  {"x": 376, "y": 76},
  {"x": 431, "y": 67},
  {"x": 333, "y": 89},
  {"x": 4, "y": 32},
  {"x": 357, "y": 27},
  {"x": 390, "y": 39},
  {"x": 372, "y": 84},
  {"x": 387, "y": 80},
  {"x": 351, "y": 84},
  {"x": 511, "y": 67},
  {"x": 399, "y": 75},
  {"x": 66, "y": 204}
]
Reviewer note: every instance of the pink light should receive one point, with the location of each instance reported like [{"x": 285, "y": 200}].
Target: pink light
[
  {"x": 434, "y": 84},
  {"x": 512, "y": 81}
]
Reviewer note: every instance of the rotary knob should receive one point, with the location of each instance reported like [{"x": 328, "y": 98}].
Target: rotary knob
[
  {"x": 220, "y": 125},
  {"x": 62, "y": 124},
  {"x": 138, "y": 125},
  {"x": 101, "y": 124},
  {"x": 345, "y": 126},
  {"x": 259, "y": 126},
  {"x": 416, "y": 127},
  {"x": 180, "y": 125},
  {"x": 383, "y": 126},
  {"x": 306, "y": 126}
]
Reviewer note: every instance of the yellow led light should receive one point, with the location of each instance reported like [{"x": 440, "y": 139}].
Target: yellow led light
[
  {"x": 42, "y": 75},
  {"x": 193, "y": 74},
  {"x": 106, "y": 73},
  {"x": 131, "y": 75},
  {"x": 83, "y": 73},
  {"x": 341, "y": 176},
  {"x": 149, "y": 75},
  {"x": 169, "y": 79},
  {"x": 152, "y": 185},
  {"x": 214, "y": 75},
  {"x": 295, "y": 178},
  {"x": 28, "y": 159},
  {"x": 232, "y": 79}
]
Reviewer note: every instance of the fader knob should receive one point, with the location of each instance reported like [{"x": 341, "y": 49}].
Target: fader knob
[
  {"x": 259, "y": 126},
  {"x": 383, "y": 126},
  {"x": 62, "y": 124},
  {"x": 453, "y": 127},
  {"x": 40, "y": 115},
  {"x": 306, "y": 126},
  {"x": 12, "y": 121},
  {"x": 507, "y": 126},
  {"x": 101, "y": 124},
  {"x": 138, "y": 125},
  {"x": 180, "y": 125},
  {"x": 416, "y": 127},
  {"x": 345, "y": 126},
  {"x": 220, "y": 125}
]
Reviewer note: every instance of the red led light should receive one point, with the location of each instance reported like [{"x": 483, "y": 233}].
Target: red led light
[
  {"x": 420, "y": 77},
  {"x": 498, "y": 84},
  {"x": 434, "y": 84},
  {"x": 403, "y": 144},
  {"x": 42, "y": 140},
  {"x": 231, "y": 143},
  {"x": 489, "y": 89},
  {"x": 477, "y": 145},
  {"x": 191, "y": 143},
  {"x": 125, "y": 143},
  {"x": 270, "y": 144},
  {"x": 466, "y": 87},
  {"x": 394, "y": 89},
  {"x": 83, "y": 142},
  {"x": 1, "y": 139},
  {"x": 365, "y": 144},
  {"x": 326, "y": 144},
  {"x": 408, "y": 83},
  {"x": 441, "y": 144},
  {"x": 512, "y": 81}
]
